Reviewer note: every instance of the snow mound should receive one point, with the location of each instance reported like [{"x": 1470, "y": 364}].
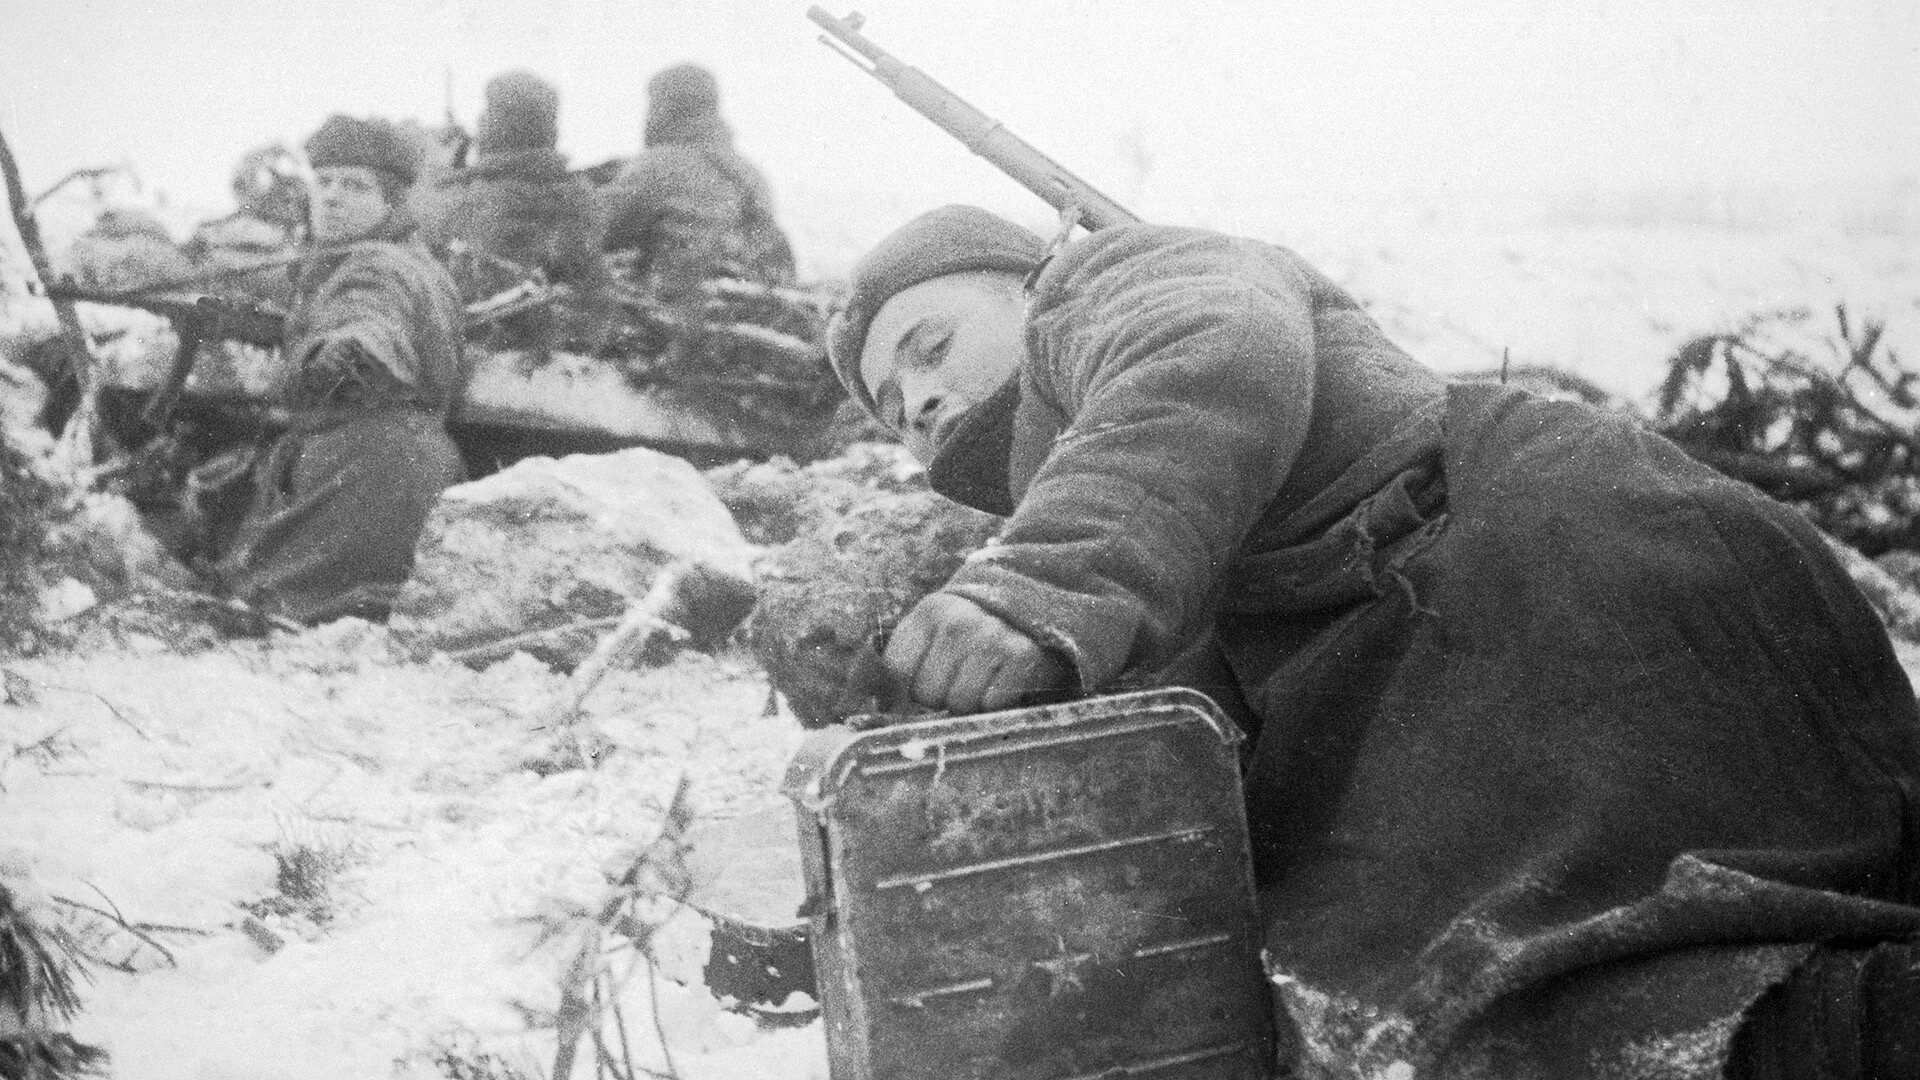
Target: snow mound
[{"x": 546, "y": 545}]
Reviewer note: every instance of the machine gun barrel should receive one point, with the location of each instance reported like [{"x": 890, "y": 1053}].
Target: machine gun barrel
[
  {"x": 977, "y": 131},
  {"x": 207, "y": 318},
  {"x": 195, "y": 319}
]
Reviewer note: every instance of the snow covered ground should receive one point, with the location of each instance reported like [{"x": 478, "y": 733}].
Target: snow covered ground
[
  {"x": 1610, "y": 304},
  {"x": 161, "y": 785}
]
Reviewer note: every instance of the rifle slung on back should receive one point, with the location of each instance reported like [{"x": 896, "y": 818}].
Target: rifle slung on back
[{"x": 978, "y": 132}]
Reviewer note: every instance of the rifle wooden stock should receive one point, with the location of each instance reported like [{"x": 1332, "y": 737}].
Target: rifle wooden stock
[{"x": 977, "y": 131}]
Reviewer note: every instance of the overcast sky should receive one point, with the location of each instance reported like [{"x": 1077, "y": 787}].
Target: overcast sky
[{"x": 1191, "y": 110}]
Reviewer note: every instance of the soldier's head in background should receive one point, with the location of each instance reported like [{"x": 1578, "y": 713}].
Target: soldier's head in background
[
  {"x": 268, "y": 184},
  {"x": 522, "y": 114},
  {"x": 936, "y": 322},
  {"x": 683, "y": 106},
  {"x": 361, "y": 172}
]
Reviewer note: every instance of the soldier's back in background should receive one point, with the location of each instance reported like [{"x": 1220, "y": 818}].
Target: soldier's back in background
[
  {"x": 690, "y": 206},
  {"x": 517, "y": 208}
]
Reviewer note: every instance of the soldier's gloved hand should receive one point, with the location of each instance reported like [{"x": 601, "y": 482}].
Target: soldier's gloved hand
[
  {"x": 953, "y": 654},
  {"x": 344, "y": 373}
]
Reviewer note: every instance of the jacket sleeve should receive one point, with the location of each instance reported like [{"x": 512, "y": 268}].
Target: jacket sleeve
[
  {"x": 1183, "y": 363},
  {"x": 368, "y": 308}
]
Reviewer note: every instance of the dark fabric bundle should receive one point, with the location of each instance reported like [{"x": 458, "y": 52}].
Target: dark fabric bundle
[
  {"x": 1587, "y": 748},
  {"x": 369, "y": 144},
  {"x": 953, "y": 239},
  {"x": 522, "y": 113},
  {"x": 1845, "y": 1014}
]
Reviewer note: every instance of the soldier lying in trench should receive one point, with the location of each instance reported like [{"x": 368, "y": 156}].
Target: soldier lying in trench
[{"x": 1570, "y": 756}]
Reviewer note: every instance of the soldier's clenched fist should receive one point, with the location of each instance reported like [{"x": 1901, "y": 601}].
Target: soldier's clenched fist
[{"x": 953, "y": 654}]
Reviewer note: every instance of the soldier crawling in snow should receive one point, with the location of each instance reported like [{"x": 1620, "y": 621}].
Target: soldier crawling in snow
[
  {"x": 1570, "y": 757},
  {"x": 374, "y": 347},
  {"x": 689, "y": 206},
  {"x": 516, "y": 210}
]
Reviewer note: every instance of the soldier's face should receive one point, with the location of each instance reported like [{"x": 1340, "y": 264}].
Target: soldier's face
[
  {"x": 348, "y": 203},
  {"x": 938, "y": 348}
]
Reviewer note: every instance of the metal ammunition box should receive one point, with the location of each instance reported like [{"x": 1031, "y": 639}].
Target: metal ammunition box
[{"x": 1051, "y": 893}]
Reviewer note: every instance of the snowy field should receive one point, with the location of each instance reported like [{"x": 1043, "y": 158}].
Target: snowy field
[
  {"x": 161, "y": 786},
  {"x": 1610, "y": 304}
]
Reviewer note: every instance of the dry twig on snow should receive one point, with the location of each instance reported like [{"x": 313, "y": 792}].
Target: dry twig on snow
[
  {"x": 144, "y": 931},
  {"x": 567, "y": 745},
  {"x": 47, "y": 748},
  {"x": 502, "y": 648},
  {"x": 654, "y": 879}
]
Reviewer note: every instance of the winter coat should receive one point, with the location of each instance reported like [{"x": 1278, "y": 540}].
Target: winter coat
[
  {"x": 695, "y": 207},
  {"x": 1565, "y": 747},
  {"x": 375, "y": 347},
  {"x": 522, "y": 206}
]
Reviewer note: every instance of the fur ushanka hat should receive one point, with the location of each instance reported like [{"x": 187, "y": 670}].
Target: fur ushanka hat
[
  {"x": 369, "y": 144},
  {"x": 683, "y": 106},
  {"x": 522, "y": 113},
  {"x": 686, "y": 87}
]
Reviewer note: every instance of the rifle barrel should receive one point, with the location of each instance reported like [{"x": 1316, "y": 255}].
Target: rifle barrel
[{"x": 977, "y": 131}]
